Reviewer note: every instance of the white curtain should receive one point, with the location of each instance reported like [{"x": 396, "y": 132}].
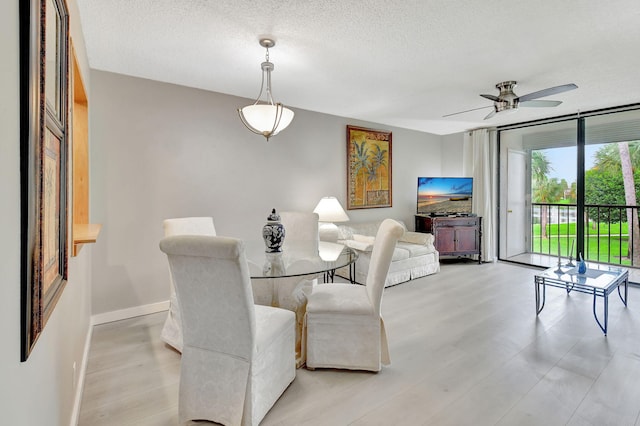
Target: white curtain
[{"x": 480, "y": 160}]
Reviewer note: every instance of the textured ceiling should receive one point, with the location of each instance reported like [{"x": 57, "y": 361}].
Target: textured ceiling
[{"x": 403, "y": 63}]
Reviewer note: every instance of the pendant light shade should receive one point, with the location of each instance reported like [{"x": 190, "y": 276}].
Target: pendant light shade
[{"x": 266, "y": 118}]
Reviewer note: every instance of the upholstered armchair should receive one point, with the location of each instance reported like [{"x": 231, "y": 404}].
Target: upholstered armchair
[
  {"x": 344, "y": 326},
  {"x": 237, "y": 357},
  {"x": 172, "y": 330}
]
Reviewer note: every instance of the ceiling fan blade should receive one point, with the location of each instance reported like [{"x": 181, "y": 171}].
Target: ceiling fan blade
[
  {"x": 539, "y": 103},
  {"x": 491, "y": 114},
  {"x": 491, "y": 97},
  {"x": 547, "y": 92},
  {"x": 469, "y": 110}
]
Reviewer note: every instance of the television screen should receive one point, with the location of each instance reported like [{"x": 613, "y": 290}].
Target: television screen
[{"x": 440, "y": 196}]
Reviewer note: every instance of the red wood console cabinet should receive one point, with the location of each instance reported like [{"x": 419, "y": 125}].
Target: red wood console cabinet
[{"x": 454, "y": 236}]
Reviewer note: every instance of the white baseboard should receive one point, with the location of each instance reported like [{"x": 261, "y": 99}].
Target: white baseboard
[
  {"x": 135, "y": 311},
  {"x": 75, "y": 413}
]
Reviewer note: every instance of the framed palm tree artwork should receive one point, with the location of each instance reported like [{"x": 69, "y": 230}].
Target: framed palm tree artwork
[{"x": 368, "y": 168}]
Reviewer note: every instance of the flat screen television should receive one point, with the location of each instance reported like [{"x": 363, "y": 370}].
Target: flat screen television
[{"x": 444, "y": 196}]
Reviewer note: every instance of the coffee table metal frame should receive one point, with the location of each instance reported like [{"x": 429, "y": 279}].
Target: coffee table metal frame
[{"x": 570, "y": 280}]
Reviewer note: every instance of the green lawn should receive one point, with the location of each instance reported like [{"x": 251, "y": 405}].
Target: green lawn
[{"x": 612, "y": 244}]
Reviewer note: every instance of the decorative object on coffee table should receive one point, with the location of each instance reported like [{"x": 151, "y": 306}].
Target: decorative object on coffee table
[
  {"x": 582, "y": 266},
  {"x": 273, "y": 233},
  {"x": 570, "y": 262},
  {"x": 559, "y": 268}
]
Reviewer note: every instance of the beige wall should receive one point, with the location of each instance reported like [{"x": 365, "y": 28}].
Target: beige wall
[
  {"x": 42, "y": 390},
  {"x": 161, "y": 150}
]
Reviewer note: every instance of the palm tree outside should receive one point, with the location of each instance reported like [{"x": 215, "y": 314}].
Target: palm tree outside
[
  {"x": 540, "y": 168},
  {"x": 610, "y": 181}
]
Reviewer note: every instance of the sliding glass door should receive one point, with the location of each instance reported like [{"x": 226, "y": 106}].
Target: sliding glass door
[
  {"x": 571, "y": 187},
  {"x": 537, "y": 220}
]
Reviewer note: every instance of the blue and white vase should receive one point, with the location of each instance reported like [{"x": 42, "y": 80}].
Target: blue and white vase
[{"x": 273, "y": 233}]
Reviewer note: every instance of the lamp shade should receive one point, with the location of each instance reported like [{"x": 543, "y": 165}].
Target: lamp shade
[
  {"x": 262, "y": 118},
  {"x": 330, "y": 210}
]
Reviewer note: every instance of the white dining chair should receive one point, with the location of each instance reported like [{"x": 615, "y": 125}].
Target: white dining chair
[
  {"x": 172, "y": 330},
  {"x": 237, "y": 357},
  {"x": 343, "y": 322},
  {"x": 301, "y": 236}
]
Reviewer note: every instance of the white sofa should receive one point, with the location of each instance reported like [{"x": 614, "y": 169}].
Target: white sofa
[{"x": 414, "y": 256}]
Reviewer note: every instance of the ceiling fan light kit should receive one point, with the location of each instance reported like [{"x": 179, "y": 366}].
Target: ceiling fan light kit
[
  {"x": 508, "y": 102},
  {"x": 266, "y": 118}
]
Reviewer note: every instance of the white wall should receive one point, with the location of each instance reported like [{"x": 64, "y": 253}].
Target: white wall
[
  {"x": 41, "y": 390},
  {"x": 452, "y": 153},
  {"x": 161, "y": 150}
]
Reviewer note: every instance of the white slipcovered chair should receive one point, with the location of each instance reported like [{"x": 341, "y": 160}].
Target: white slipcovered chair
[
  {"x": 172, "y": 330},
  {"x": 301, "y": 235},
  {"x": 344, "y": 326},
  {"x": 237, "y": 357}
]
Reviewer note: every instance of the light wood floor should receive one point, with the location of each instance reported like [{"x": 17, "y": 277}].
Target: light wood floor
[{"x": 466, "y": 349}]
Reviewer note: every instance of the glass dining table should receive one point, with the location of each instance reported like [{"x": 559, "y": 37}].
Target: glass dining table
[
  {"x": 299, "y": 258},
  {"x": 285, "y": 279}
]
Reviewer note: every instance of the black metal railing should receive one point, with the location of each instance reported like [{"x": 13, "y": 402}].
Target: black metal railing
[{"x": 608, "y": 232}]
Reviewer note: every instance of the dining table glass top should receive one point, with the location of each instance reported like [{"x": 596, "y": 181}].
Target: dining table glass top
[{"x": 297, "y": 258}]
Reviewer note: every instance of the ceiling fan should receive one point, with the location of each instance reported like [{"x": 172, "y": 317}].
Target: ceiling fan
[{"x": 507, "y": 100}]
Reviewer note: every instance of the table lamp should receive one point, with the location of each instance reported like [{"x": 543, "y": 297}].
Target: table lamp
[{"x": 329, "y": 211}]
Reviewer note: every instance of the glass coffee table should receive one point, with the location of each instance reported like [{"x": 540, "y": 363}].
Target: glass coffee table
[{"x": 599, "y": 280}]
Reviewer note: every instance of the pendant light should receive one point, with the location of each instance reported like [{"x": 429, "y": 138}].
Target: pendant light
[{"x": 266, "y": 118}]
